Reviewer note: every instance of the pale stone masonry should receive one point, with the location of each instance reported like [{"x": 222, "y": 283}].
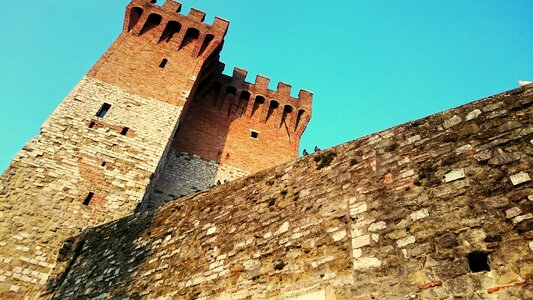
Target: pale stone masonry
[
  {"x": 418, "y": 211},
  {"x": 42, "y": 193},
  {"x": 183, "y": 174}
]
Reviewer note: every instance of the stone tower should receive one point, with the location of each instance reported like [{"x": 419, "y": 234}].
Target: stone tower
[{"x": 113, "y": 145}]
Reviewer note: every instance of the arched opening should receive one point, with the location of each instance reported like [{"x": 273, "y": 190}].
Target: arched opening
[
  {"x": 214, "y": 91},
  {"x": 152, "y": 22},
  {"x": 287, "y": 116},
  {"x": 191, "y": 36},
  {"x": 259, "y": 101},
  {"x": 243, "y": 102},
  {"x": 299, "y": 117},
  {"x": 272, "y": 108},
  {"x": 230, "y": 91},
  {"x": 171, "y": 29},
  {"x": 135, "y": 15},
  {"x": 227, "y": 101},
  {"x": 207, "y": 40}
]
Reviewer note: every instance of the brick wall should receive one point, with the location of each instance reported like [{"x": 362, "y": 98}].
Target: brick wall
[
  {"x": 218, "y": 123},
  {"x": 43, "y": 190},
  {"x": 418, "y": 211},
  {"x": 133, "y": 61}
]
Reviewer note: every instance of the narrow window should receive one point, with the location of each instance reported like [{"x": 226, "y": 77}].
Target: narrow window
[
  {"x": 163, "y": 63},
  {"x": 88, "y": 198},
  {"x": 254, "y": 134},
  {"x": 103, "y": 110},
  {"x": 478, "y": 261},
  {"x": 124, "y": 131},
  {"x": 91, "y": 125},
  {"x": 103, "y": 164}
]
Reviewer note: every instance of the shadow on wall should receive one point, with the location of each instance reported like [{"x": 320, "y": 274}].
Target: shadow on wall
[{"x": 88, "y": 258}]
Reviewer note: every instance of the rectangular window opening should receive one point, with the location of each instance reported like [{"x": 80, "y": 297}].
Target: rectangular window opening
[
  {"x": 88, "y": 198},
  {"x": 254, "y": 134},
  {"x": 124, "y": 131},
  {"x": 163, "y": 63},
  {"x": 91, "y": 125},
  {"x": 103, "y": 110},
  {"x": 103, "y": 164}
]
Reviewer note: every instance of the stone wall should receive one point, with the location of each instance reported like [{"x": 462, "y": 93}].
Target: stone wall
[
  {"x": 183, "y": 174},
  {"x": 438, "y": 208},
  {"x": 42, "y": 193}
]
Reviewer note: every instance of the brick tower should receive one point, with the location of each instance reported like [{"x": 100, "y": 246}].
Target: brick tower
[{"x": 113, "y": 144}]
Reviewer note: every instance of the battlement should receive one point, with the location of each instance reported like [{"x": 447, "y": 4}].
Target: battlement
[
  {"x": 165, "y": 25},
  {"x": 247, "y": 99}
]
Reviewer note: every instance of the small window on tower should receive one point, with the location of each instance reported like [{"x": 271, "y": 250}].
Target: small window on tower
[
  {"x": 254, "y": 134},
  {"x": 91, "y": 125},
  {"x": 103, "y": 110},
  {"x": 163, "y": 63},
  {"x": 124, "y": 131},
  {"x": 88, "y": 198}
]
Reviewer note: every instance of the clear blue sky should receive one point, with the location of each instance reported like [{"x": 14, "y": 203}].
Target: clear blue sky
[{"x": 371, "y": 64}]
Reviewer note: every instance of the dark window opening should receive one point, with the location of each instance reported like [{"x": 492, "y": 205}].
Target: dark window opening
[
  {"x": 91, "y": 125},
  {"x": 152, "y": 22},
  {"x": 273, "y": 107},
  {"x": 243, "y": 102},
  {"x": 191, "y": 36},
  {"x": 103, "y": 164},
  {"x": 214, "y": 91},
  {"x": 205, "y": 44},
  {"x": 259, "y": 100},
  {"x": 135, "y": 15},
  {"x": 478, "y": 261},
  {"x": 299, "y": 118},
  {"x": 163, "y": 63},
  {"x": 170, "y": 31},
  {"x": 287, "y": 112},
  {"x": 254, "y": 134},
  {"x": 124, "y": 131},
  {"x": 230, "y": 90},
  {"x": 103, "y": 110},
  {"x": 88, "y": 198}
]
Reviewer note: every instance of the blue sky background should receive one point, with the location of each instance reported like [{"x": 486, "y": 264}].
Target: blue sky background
[{"x": 371, "y": 64}]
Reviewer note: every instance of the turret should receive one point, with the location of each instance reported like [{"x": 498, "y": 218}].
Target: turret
[
  {"x": 244, "y": 99},
  {"x": 160, "y": 52},
  {"x": 165, "y": 25}
]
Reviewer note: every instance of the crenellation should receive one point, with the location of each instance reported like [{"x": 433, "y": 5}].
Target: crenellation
[{"x": 159, "y": 176}]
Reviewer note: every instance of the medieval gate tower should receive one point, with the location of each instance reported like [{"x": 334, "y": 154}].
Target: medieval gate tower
[{"x": 153, "y": 119}]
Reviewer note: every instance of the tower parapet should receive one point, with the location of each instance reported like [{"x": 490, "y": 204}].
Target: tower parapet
[
  {"x": 245, "y": 99},
  {"x": 241, "y": 124},
  {"x": 165, "y": 25}
]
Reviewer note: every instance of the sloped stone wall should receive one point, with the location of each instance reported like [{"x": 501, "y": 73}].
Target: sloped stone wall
[
  {"x": 43, "y": 191},
  {"x": 438, "y": 208}
]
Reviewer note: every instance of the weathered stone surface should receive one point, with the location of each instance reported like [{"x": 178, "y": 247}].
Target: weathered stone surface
[
  {"x": 519, "y": 178},
  {"x": 333, "y": 230},
  {"x": 454, "y": 175}
]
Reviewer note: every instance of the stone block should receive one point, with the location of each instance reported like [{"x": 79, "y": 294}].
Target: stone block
[{"x": 519, "y": 178}]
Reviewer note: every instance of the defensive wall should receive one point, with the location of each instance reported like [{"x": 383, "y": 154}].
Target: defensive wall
[
  {"x": 438, "y": 208},
  {"x": 108, "y": 149}
]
